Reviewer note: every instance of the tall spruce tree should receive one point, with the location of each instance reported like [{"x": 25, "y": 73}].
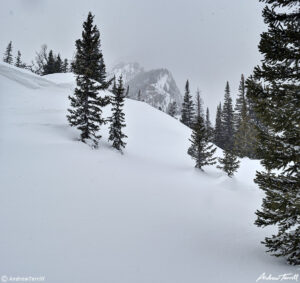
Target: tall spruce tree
[
  {"x": 86, "y": 103},
  {"x": 209, "y": 128},
  {"x": 8, "y": 57},
  {"x": 199, "y": 105},
  {"x": 187, "y": 111},
  {"x": 240, "y": 103},
  {"x": 245, "y": 140},
  {"x": 201, "y": 150},
  {"x": 18, "y": 62},
  {"x": 275, "y": 94},
  {"x": 117, "y": 121},
  {"x": 218, "y": 132},
  {"x": 229, "y": 163},
  {"x": 227, "y": 121},
  {"x": 96, "y": 64}
]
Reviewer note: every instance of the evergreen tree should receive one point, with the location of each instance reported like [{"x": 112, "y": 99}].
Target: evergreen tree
[
  {"x": 274, "y": 92},
  {"x": 229, "y": 163},
  {"x": 96, "y": 64},
  {"x": 227, "y": 121},
  {"x": 116, "y": 136},
  {"x": 8, "y": 57},
  {"x": 187, "y": 112},
  {"x": 65, "y": 66},
  {"x": 209, "y": 128},
  {"x": 18, "y": 60},
  {"x": 200, "y": 150},
  {"x": 218, "y": 133},
  {"x": 172, "y": 108},
  {"x": 50, "y": 67},
  {"x": 58, "y": 64},
  {"x": 240, "y": 103},
  {"x": 245, "y": 137},
  {"x": 199, "y": 105},
  {"x": 86, "y": 103}
]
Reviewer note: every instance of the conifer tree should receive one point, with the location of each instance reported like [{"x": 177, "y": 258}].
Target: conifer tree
[
  {"x": 58, "y": 64},
  {"x": 116, "y": 135},
  {"x": 218, "y": 132},
  {"x": 199, "y": 105},
  {"x": 245, "y": 137},
  {"x": 50, "y": 67},
  {"x": 274, "y": 92},
  {"x": 65, "y": 65},
  {"x": 200, "y": 150},
  {"x": 187, "y": 111},
  {"x": 209, "y": 128},
  {"x": 8, "y": 57},
  {"x": 240, "y": 103},
  {"x": 18, "y": 62},
  {"x": 86, "y": 103},
  {"x": 96, "y": 64},
  {"x": 227, "y": 121},
  {"x": 172, "y": 108},
  {"x": 229, "y": 163}
]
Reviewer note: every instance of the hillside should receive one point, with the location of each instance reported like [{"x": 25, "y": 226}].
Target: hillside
[{"x": 74, "y": 215}]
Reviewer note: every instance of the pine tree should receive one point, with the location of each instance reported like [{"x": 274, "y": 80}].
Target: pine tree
[
  {"x": 58, "y": 64},
  {"x": 229, "y": 163},
  {"x": 209, "y": 128},
  {"x": 172, "y": 108},
  {"x": 8, "y": 57},
  {"x": 199, "y": 105},
  {"x": 227, "y": 121},
  {"x": 274, "y": 92},
  {"x": 116, "y": 136},
  {"x": 245, "y": 137},
  {"x": 96, "y": 63},
  {"x": 187, "y": 112},
  {"x": 86, "y": 103},
  {"x": 65, "y": 66},
  {"x": 18, "y": 60},
  {"x": 218, "y": 133},
  {"x": 200, "y": 150},
  {"x": 240, "y": 103},
  {"x": 50, "y": 67}
]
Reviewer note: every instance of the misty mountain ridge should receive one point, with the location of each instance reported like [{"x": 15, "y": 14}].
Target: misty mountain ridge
[{"x": 157, "y": 87}]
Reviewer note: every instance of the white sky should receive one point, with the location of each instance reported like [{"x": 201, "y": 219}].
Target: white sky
[{"x": 205, "y": 41}]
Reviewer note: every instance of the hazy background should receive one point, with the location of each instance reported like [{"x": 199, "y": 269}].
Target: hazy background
[{"x": 207, "y": 42}]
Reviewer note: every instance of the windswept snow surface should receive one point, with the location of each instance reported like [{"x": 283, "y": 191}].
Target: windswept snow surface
[{"x": 74, "y": 215}]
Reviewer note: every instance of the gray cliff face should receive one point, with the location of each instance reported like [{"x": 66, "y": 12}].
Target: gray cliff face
[{"x": 157, "y": 87}]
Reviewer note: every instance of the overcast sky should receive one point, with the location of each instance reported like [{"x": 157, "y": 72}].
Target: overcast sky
[{"x": 205, "y": 41}]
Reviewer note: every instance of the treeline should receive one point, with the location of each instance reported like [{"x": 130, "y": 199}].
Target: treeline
[
  {"x": 45, "y": 62},
  {"x": 235, "y": 127}
]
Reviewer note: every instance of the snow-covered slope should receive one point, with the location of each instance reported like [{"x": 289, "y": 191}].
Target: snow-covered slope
[
  {"x": 73, "y": 214},
  {"x": 158, "y": 87}
]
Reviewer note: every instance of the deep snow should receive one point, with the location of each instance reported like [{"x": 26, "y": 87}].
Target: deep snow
[{"x": 73, "y": 214}]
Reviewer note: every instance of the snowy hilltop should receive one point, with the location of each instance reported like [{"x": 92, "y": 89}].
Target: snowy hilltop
[
  {"x": 156, "y": 87},
  {"x": 73, "y": 214}
]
